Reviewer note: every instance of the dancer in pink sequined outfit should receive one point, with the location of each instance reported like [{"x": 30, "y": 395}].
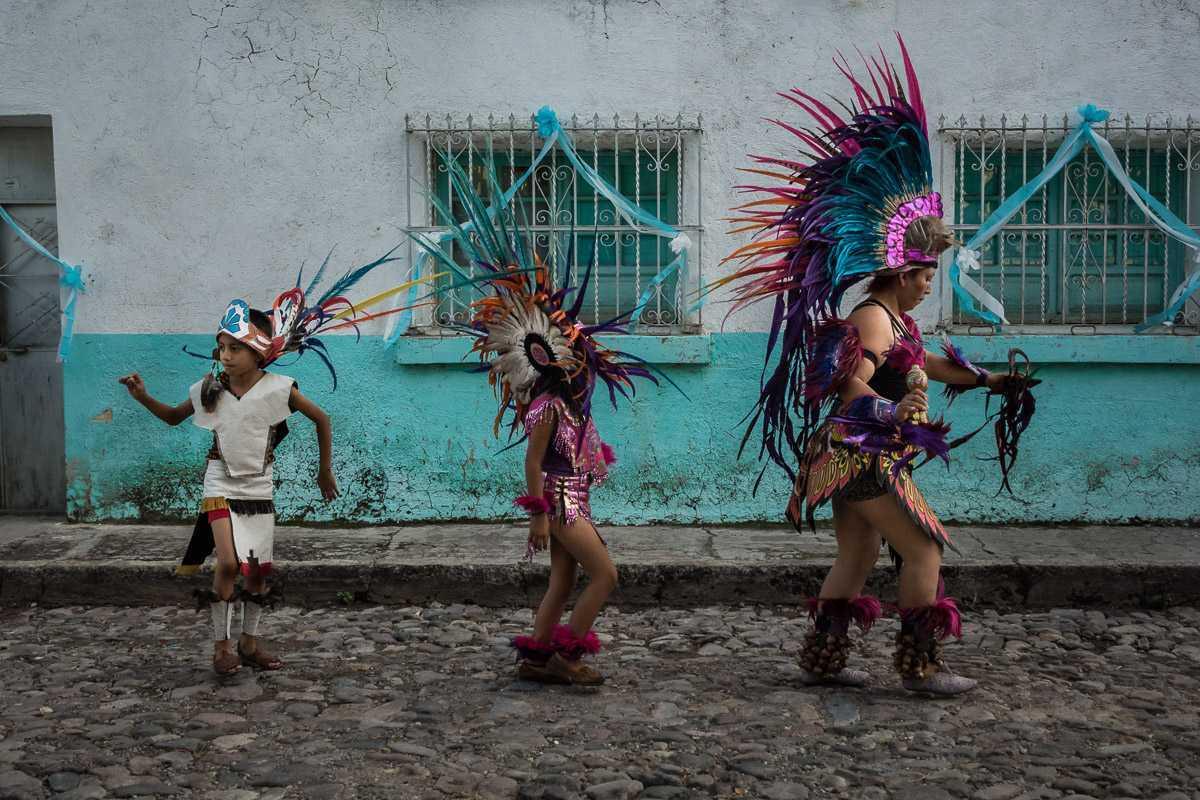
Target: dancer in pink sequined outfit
[
  {"x": 564, "y": 459},
  {"x": 544, "y": 364},
  {"x": 574, "y": 461}
]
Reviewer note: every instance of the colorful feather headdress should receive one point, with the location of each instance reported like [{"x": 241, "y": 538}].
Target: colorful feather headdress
[
  {"x": 839, "y": 214},
  {"x": 527, "y": 326},
  {"x": 525, "y": 329},
  {"x": 296, "y": 325}
]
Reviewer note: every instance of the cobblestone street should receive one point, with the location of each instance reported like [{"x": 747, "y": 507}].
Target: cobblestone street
[{"x": 420, "y": 702}]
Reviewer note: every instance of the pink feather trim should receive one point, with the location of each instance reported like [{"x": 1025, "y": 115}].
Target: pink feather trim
[
  {"x": 942, "y": 619},
  {"x": 572, "y": 647},
  {"x": 610, "y": 457},
  {"x": 529, "y": 647},
  {"x": 532, "y": 504},
  {"x": 865, "y": 610},
  {"x": 905, "y": 353}
]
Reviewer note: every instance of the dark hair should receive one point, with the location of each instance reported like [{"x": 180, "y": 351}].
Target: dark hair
[
  {"x": 262, "y": 321},
  {"x": 213, "y": 385},
  {"x": 882, "y": 282},
  {"x": 554, "y": 381},
  {"x": 929, "y": 235}
]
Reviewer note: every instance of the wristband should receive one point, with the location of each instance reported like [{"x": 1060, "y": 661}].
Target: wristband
[
  {"x": 532, "y": 504},
  {"x": 874, "y": 408}
]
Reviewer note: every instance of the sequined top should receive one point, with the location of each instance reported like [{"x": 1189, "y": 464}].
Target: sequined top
[{"x": 575, "y": 446}]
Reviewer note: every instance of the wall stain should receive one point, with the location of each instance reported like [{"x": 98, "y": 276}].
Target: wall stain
[{"x": 401, "y": 458}]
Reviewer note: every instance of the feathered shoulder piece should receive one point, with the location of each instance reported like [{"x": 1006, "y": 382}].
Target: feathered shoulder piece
[{"x": 835, "y": 356}]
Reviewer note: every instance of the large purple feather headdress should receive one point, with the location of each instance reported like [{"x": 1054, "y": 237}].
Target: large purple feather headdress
[{"x": 837, "y": 214}]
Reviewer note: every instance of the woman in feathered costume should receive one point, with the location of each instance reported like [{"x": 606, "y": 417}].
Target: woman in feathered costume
[
  {"x": 860, "y": 204},
  {"x": 544, "y": 365}
]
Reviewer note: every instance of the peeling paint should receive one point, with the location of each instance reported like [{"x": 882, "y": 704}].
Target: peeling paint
[
  {"x": 269, "y": 133},
  {"x": 414, "y": 443}
]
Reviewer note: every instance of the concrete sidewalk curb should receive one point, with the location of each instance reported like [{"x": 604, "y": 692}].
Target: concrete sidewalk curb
[
  {"x": 53, "y": 563},
  {"x": 1029, "y": 586}
]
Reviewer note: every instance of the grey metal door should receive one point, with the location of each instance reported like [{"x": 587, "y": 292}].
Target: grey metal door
[{"x": 32, "y": 441}]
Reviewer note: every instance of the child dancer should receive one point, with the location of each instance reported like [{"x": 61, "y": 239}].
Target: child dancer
[
  {"x": 545, "y": 365},
  {"x": 246, "y": 409}
]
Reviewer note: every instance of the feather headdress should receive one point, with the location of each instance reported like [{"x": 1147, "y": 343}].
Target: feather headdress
[
  {"x": 838, "y": 214},
  {"x": 527, "y": 326},
  {"x": 296, "y": 323}
]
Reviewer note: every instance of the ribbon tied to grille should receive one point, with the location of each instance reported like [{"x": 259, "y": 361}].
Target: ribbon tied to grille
[
  {"x": 70, "y": 276},
  {"x": 978, "y": 302},
  {"x": 639, "y": 219}
]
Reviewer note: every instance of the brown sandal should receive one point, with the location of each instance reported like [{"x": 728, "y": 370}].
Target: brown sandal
[
  {"x": 226, "y": 663},
  {"x": 573, "y": 672},
  {"x": 260, "y": 660},
  {"x": 528, "y": 670}
]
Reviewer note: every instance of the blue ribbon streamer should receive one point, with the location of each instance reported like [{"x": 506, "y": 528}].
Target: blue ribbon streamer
[
  {"x": 549, "y": 128},
  {"x": 70, "y": 276},
  {"x": 636, "y": 216},
  {"x": 975, "y": 300},
  {"x": 1164, "y": 219},
  {"x": 403, "y": 320}
]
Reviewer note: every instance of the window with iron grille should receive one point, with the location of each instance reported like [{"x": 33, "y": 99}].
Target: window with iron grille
[
  {"x": 654, "y": 163},
  {"x": 1079, "y": 252}
]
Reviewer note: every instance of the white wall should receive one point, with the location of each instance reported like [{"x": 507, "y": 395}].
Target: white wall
[{"x": 204, "y": 149}]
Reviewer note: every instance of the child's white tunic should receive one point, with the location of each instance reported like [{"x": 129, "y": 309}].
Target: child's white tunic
[{"x": 243, "y": 430}]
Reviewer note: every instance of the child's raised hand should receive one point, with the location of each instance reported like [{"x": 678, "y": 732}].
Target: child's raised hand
[
  {"x": 328, "y": 484},
  {"x": 133, "y": 382}
]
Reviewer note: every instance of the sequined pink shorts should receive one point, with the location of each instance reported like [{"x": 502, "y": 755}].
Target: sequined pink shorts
[{"x": 568, "y": 496}]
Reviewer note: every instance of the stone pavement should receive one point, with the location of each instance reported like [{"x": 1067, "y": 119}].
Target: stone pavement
[
  {"x": 55, "y": 563},
  {"x": 420, "y": 702}
]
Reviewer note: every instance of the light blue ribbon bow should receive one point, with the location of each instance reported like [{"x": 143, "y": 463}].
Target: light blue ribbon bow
[
  {"x": 70, "y": 276},
  {"x": 550, "y": 129}
]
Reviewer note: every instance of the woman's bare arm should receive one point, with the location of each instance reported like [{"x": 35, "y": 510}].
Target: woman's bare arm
[
  {"x": 875, "y": 334},
  {"x": 943, "y": 370}
]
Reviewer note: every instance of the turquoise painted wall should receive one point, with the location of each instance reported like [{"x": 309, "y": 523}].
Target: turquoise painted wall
[{"x": 1114, "y": 439}]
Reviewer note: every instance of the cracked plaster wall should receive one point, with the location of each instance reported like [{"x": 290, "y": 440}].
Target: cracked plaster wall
[
  {"x": 220, "y": 143},
  {"x": 205, "y": 149}
]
